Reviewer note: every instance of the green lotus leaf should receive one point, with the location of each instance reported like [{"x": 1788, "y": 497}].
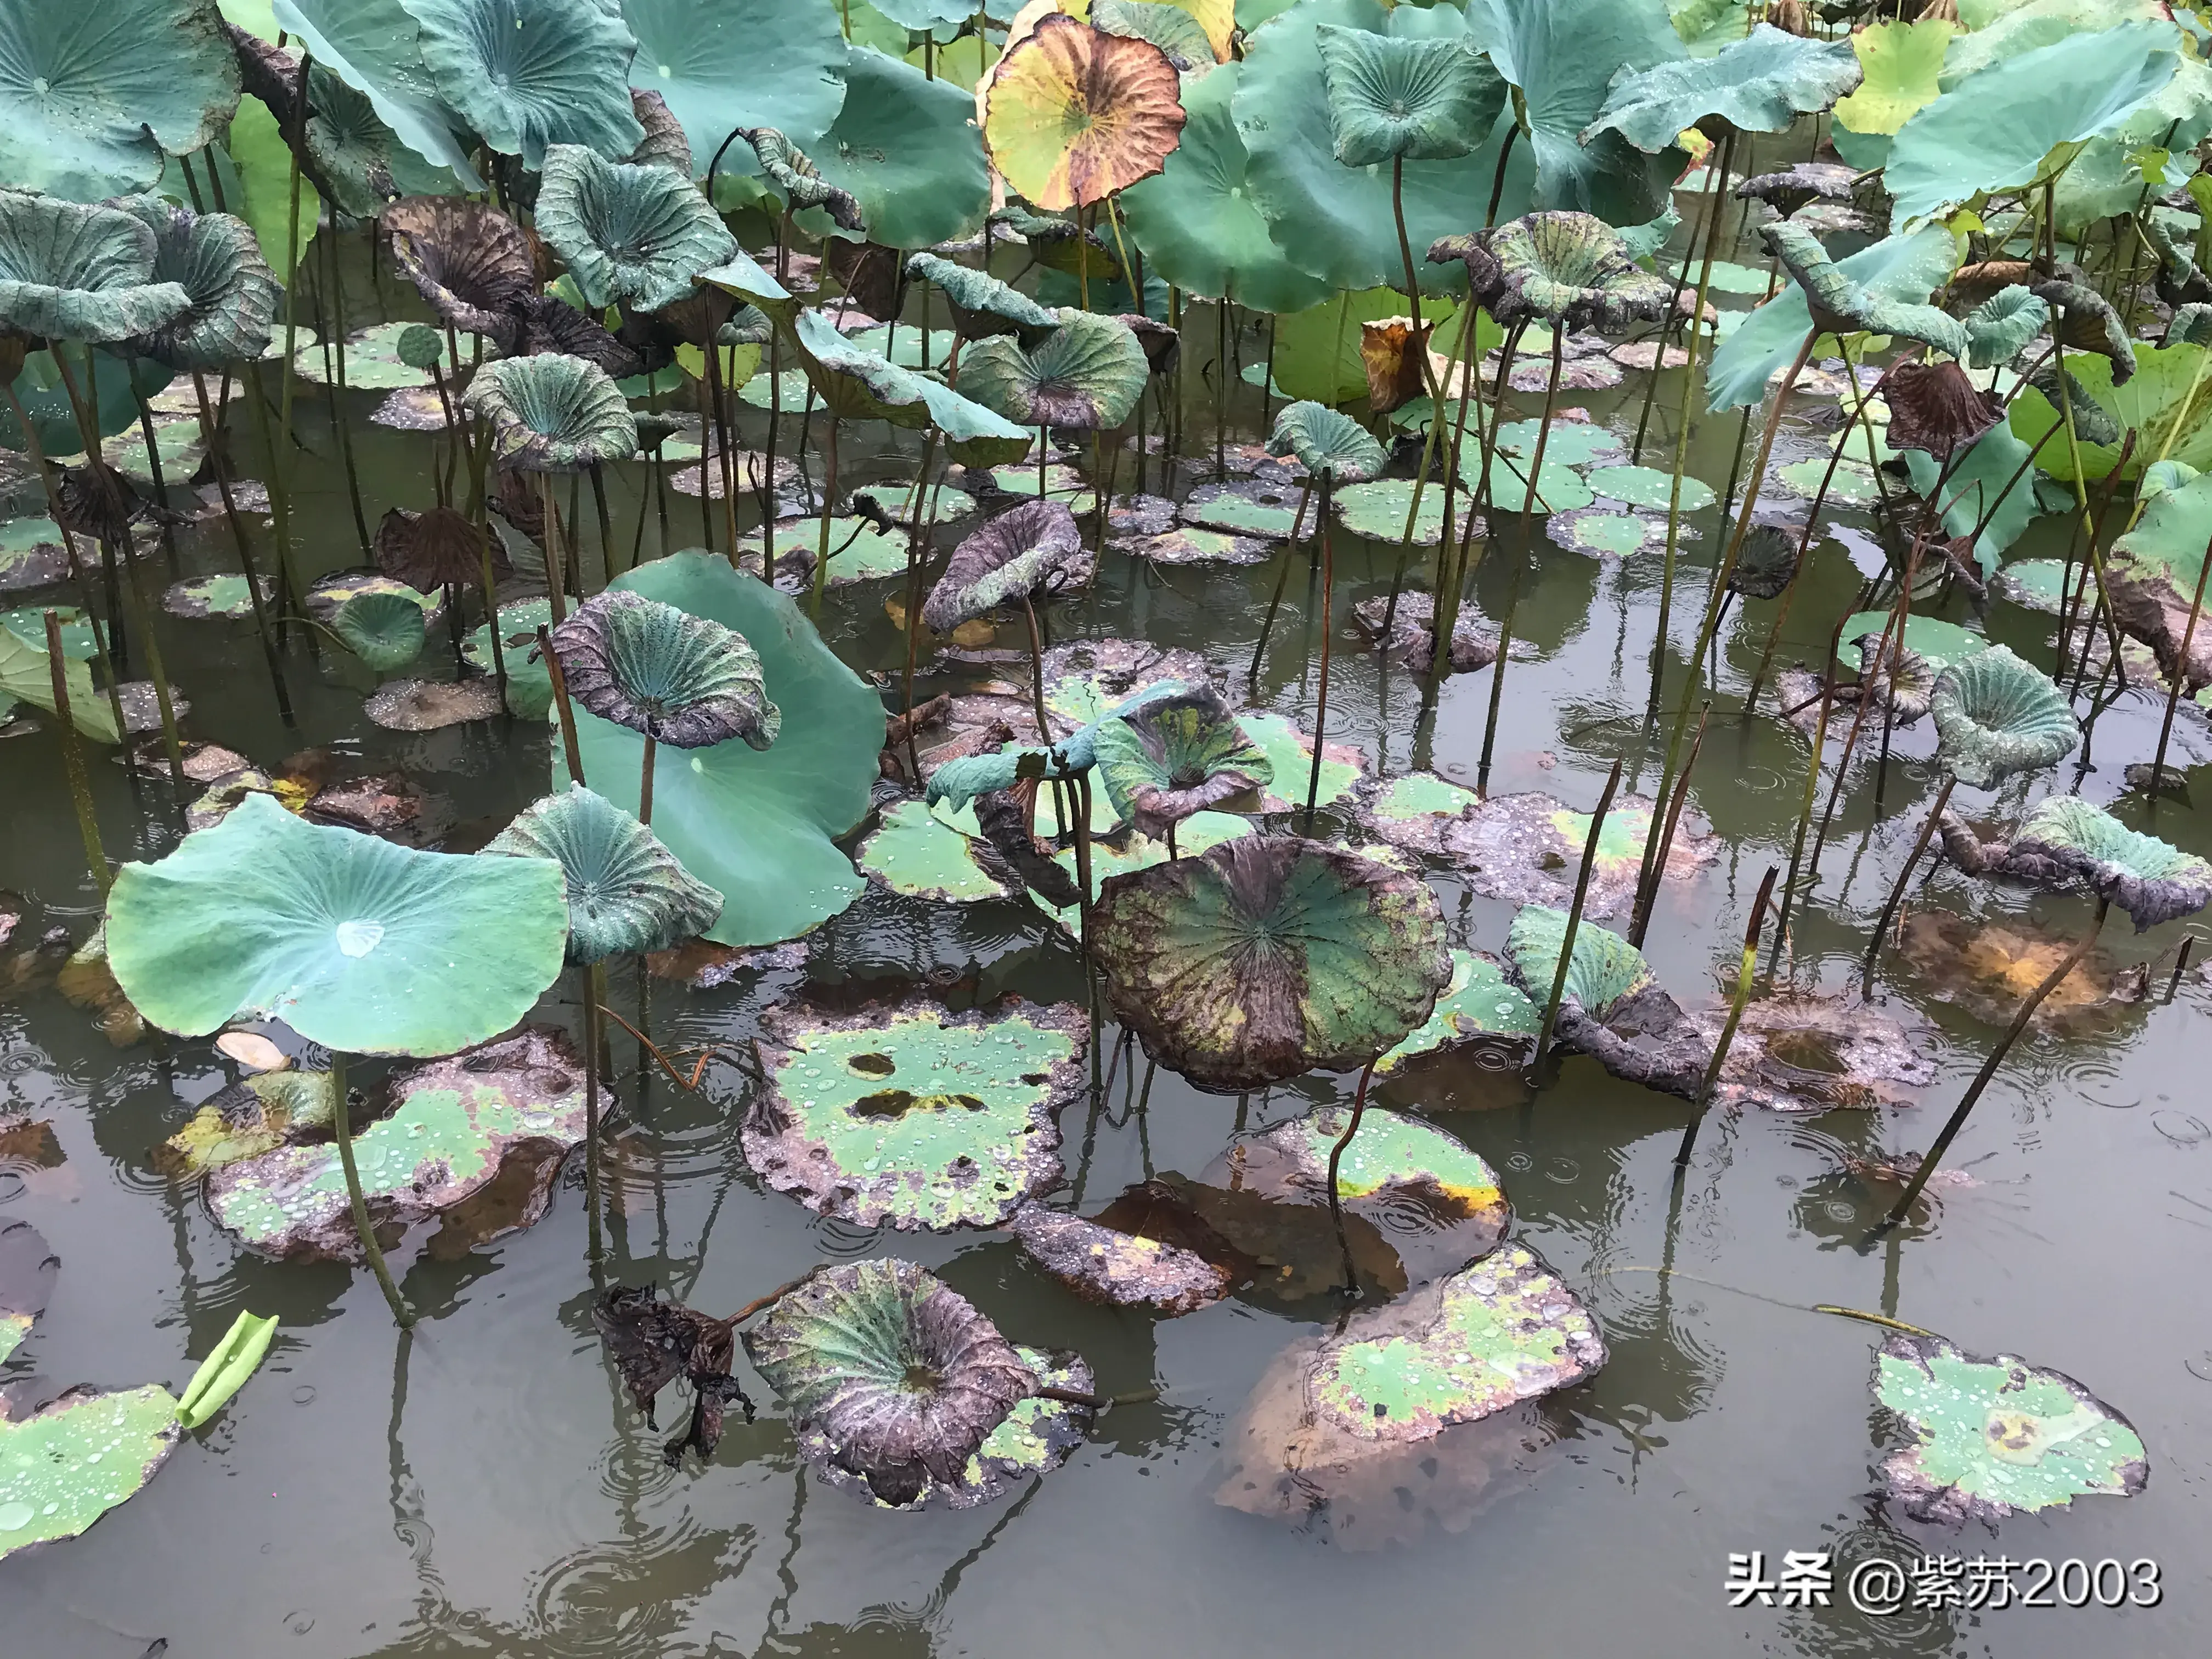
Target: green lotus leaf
[
  {"x": 361, "y": 159},
  {"x": 529, "y": 685},
  {"x": 907, "y": 149},
  {"x": 857, "y": 385},
  {"x": 681, "y": 680},
  {"x": 1839, "y": 305},
  {"x": 1262, "y": 959},
  {"x": 1379, "y": 509},
  {"x": 1993, "y": 131},
  {"x": 1034, "y": 549},
  {"x": 260, "y": 191},
  {"x": 45, "y": 399},
  {"x": 1646, "y": 486},
  {"x": 2107, "y": 176},
  {"x": 50, "y": 1485},
  {"x": 1318, "y": 350},
  {"x": 1991, "y": 485},
  {"x": 1086, "y": 374},
  {"x": 227, "y": 1369},
  {"x": 2090, "y": 322},
  {"x": 420, "y": 348},
  {"x": 1604, "y": 971},
  {"x": 1903, "y": 62},
  {"x": 981, "y": 304},
  {"x": 626, "y": 893},
  {"x": 27, "y": 676},
  {"x": 1999, "y": 328},
  {"x": 1994, "y": 33},
  {"x": 1574, "y": 442},
  {"x": 1328, "y": 443},
  {"x": 1761, "y": 83},
  {"x": 355, "y": 943},
  {"x": 231, "y": 292},
  {"x": 2152, "y": 575},
  {"x": 789, "y": 169},
  {"x": 384, "y": 630},
  {"x": 1478, "y": 1007},
  {"x": 1177, "y": 756},
  {"x": 1393, "y": 99},
  {"x": 1559, "y": 488},
  {"x": 1174, "y": 30},
  {"x": 1937, "y": 643},
  {"x": 1997, "y": 716},
  {"x": 2038, "y": 584},
  {"x": 375, "y": 47},
  {"x": 2152, "y": 880},
  {"x": 252, "y": 1116},
  {"x": 915, "y": 852},
  {"x": 469, "y": 261},
  {"x": 1072, "y": 114},
  {"x": 2157, "y": 401},
  {"x": 552, "y": 413},
  {"x": 1573, "y": 271},
  {"x": 755, "y": 825},
  {"x": 91, "y": 97},
  {"x": 525, "y": 73},
  {"x": 1618, "y": 535},
  {"x": 635, "y": 235},
  {"x": 727, "y": 63},
  {"x": 76, "y": 272},
  {"x": 1997, "y": 1437},
  {"x": 900, "y": 1375}
]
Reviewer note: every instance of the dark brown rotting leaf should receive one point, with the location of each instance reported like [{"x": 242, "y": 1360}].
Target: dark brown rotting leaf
[
  {"x": 1812, "y": 1054},
  {"x": 1126, "y": 1266},
  {"x": 653, "y": 1343},
  {"x": 469, "y": 260},
  {"x": 434, "y": 548},
  {"x": 1412, "y": 637}
]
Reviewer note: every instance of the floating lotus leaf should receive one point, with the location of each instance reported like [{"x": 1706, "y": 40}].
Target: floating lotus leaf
[
  {"x": 681, "y": 680},
  {"x": 855, "y": 384},
  {"x": 354, "y": 942},
  {"x": 550, "y": 413},
  {"x": 512, "y": 1106},
  {"x": 1574, "y": 442},
  {"x": 1573, "y": 271},
  {"x": 1937, "y": 643},
  {"x": 1072, "y": 114},
  {"x": 916, "y": 852},
  {"x": 1178, "y": 755},
  {"x": 1611, "y": 1007},
  {"x": 469, "y": 261},
  {"x": 248, "y": 1119},
  {"x": 1997, "y": 1437},
  {"x": 384, "y": 630},
  {"x": 1147, "y": 1249},
  {"x": 858, "y": 551},
  {"x": 26, "y": 675},
  {"x": 1392, "y": 98},
  {"x": 1559, "y": 488},
  {"x": 81, "y": 273},
  {"x": 1479, "y": 1009},
  {"x": 637, "y": 235},
  {"x": 907, "y": 150},
  {"x": 1999, "y": 328},
  {"x": 626, "y": 893},
  {"x": 1290, "y": 751},
  {"x": 360, "y": 159},
  {"x": 1259, "y": 507},
  {"x": 1839, "y": 305},
  {"x": 63, "y": 1467},
  {"x": 1934, "y": 407},
  {"x": 527, "y": 74},
  {"x": 1761, "y": 83},
  {"x": 653, "y": 1343},
  {"x": 899, "y": 1375},
  {"x": 725, "y": 64},
  {"x": 26, "y": 1278},
  {"x": 1408, "y": 635},
  {"x": 529, "y": 686},
  {"x": 2151, "y": 879},
  {"x": 1646, "y": 486},
  {"x": 231, "y": 292},
  {"x": 373, "y": 46},
  {"x": 1811, "y": 1054},
  {"x": 1088, "y": 374},
  {"x": 1327, "y": 443},
  {"x": 1262, "y": 959},
  {"x": 1528, "y": 848},
  {"x": 91, "y": 98},
  {"x": 1997, "y": 716},
  {"x": 791, "y": 172},
  {"x": 2038, "y": 584},
  {"x": 1034, "y": 549},
  {"x": 1379, "y": 510},
  {"x": 980, "y": 302}
]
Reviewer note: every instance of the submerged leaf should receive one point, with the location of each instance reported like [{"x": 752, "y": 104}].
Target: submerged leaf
[
  {"x": 681, "y": 680},
  {"x": 626, "y": 893}
]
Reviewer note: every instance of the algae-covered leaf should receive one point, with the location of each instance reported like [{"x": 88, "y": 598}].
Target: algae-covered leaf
[
  {"x": 626, "y": 893},
  {"x": 1997, "y": 716},
  {"x": 225, "y": 1371},
  {"x": 246, "y": 1119},
  {"x": 63, "y": 1467},
  {"x": 1528, "y": 848}
]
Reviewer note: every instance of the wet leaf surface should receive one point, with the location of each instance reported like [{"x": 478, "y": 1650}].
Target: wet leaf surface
[
  {"x": 1812, "y": 1054},
  {"x": 65, "y": 1467}
]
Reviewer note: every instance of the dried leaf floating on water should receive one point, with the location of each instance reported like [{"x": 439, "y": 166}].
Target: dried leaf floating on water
[
  {"x": 1989, "y": 969},
  {"x": 1412, "y": 637},
  {"x": 681, "y": 680},
  {"x": 1813, "y": 1053},
  {"x": 653, "y": 1343},
  {"x": 432, "y": 705},
  {"x": 1114, "y": 1258}
]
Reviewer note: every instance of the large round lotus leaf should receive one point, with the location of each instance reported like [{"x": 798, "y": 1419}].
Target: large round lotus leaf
[
  {"x": 1087, "y": 374},
  {"x": 1574, "y": 442},
  {"x": 1839, "y": 305},
  {"x": 469, "y": 261},
  {"x": 911, "y": 1117},
  {"x": 529, "y": 686},
  {"x": 626, "y": 893},
  {"x": 353, "y": 152},
  {"x": 727, "y": 63},
  {"x": 1478, "y": 1007},
  {"x": 63, "y": 1467},
  {"x": 906, "y": 149},
  {"x": 2151, "y": 879},
  {"x": 916, "y": 852},
  {"x": 1328, "y": 443},
  {"x": 1997, "y": 716},
  {"x": 1394, "y": 98},
  {"x": 76, "y": 272},
  {"x": 632, "y": 235},
  {"x": 755, "y": 825},
  {"x": 1646, "y": 486},
  {"x": 899, "y": 1374},
  {"x": 1559, "y": 488},
  {"x": 1197, "y": 224},
  {"x": 1257, "y": 508},
  {"x": 859, "y": 385},
  {"x": 355, "y": 943},
  {"x": 1572, "y": 268},
  {"x": 552, "y": 413},
  {"x": 1997, "y": 1437},
  {"x": 1178, "y": 755},
  {"x": 383, "y": 629},
  {"x": 231, "y": 292},
  {"x": 1072, "y": 114},
  {"x": 525, "y": 73},
  {"x": 1264, "y": 958},
  {"x": 1902, "y": 63},
  {"x": 1379, "y": 510},
  {"x": 981, "y": 303},
  {"x": 1939, "y": 643},
  {"x": 92, "y": 96},
  {"x": 1759, "y": 84},
  {"x": 1992, "y": 131},
  {"x": 1034, "y": 549},
  {"x": 373, "y": 46},
  {"x": 1605, "y": 970},
  {"x": 681, "y": 680}
]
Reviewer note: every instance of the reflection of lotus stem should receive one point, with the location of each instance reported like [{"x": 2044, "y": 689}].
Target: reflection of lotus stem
[
  {"x": 595, "y": 995},
  {"x": 559, "y": 682},
  {"x": 1904, "y": 877},
  {"x": 1083, "y": 868},
  {"x": 2180, "y": 962},
  {"x": 1520, "y": 561},
  {"x": 1813, "y": 773},
  {"x": 1935, "y": 1154},
  {"x": 1711, "y": 237},
  {"x": 1647, "y": 894},
  {"x": 153, "y": 461},
  {"x": 1746, "y": 971},
  {"x": 1335, "y": 1161},
  {"x": 1327, "y": 633},
  {"x": 2180, "y": 675},
  {"x": 552, "y": 549},
  {"x": 1575, "y": 916},
  {"x": 401, "y": 1314},
  {"x": 767, "y": 467},
  {"x": 1282, "y": 578},
  {"x": 219, "y": 460},
  {"x": 337, "y": 396},
  {"x": 80, "y": 786}
]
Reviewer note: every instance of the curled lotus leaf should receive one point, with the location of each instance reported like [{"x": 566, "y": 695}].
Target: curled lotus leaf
[
  {"x": 1263, "y": 958},
  {"x": 2151, "y": 879},
  {"x": 1087, "y": 374},
  {"x": 1072, "y": 114},
  {"x": 1934, "y": 407},
  {"x": 1997, "y": 716},
  {"x": 857, "y": 384},
  {"x": 2087, "y": 321},
  {"x": 528, "y": 74},
  {"x": 1995, "y": 1436},
  {"x": 1840, "y": 304},
  {"x": 682, "y": 680},
  {"x": 551, "y": 413},
  {"x": 787, "y": 167},
  {"x": 1032, "y": 550},
  {"x": 1145, "y": 1250},
  {"x": 1999, "y": 328},
  {"x": 1177, "y": 756},
  {"x": 70, "y": 270},
  {"x": 653, "y": 1343},
  {"x": 358, "y": 161},
  {"x": 383, "y": 629},
  {"x": 634, "y": 234},
  {"x": 231, "y": 291},
  {"x": 666, "y": 145},
  {"x": 2064, "y": 392},
  {"x": 1611, "y": 1008},
  {"x": 1174, "y": 29},
  {"x": 626, "y": 892},
  {"x": 1479, "y": 1010},
  {"x": 539, "y": 323},
  {"x": 900, "y": 1375},
  {"x": 1761, "y": 83},
  {"x": 1793, "y": 186},
  {"x": 1768, "y": 560},
  {"x": 2151, "y": 578},
  {"x": 1606, "y": 970},
  {"x": 1328, "y": 443},
  {"x": 471, "y": 262},
  {"x": 1812, "y": 1054},
  {"x": 1394, "y": 98},
  {"x": 1572, "y": 271},
  {"x": 50, "y": 1485},
  {"x": 981, "y": 303}
]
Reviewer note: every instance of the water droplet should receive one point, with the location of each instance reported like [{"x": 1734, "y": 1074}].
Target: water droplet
[
  {"x": 358, "y": 938},
  {"x": 14, "y": 1517}
]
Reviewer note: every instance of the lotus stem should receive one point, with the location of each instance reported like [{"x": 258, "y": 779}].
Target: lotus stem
[
  {"x": 80, "y": 784},
  {"x": 560, "y": 681},
  {"x": 595, "y": 997},
  {"x": 402, "y": 1314},
  {"x": 1575, "y": 916},
  {"x": 914, "y": 562},
  {"x": 153, "y": 462},
  {"x": 724, "y": 464},
  {"x": 290, "y": 596},
  {"x": 1220, "y": 385},
  {"x": 551, "y": 545},
  {"x": 1446, "y": 613},
  {"x": 1036, "y": 672},
  {"x": 2180, "y": 962},
  {"x": 1083, "y": 864},
  {"x": 1406, "y": 252},
  {"x": 1647, "y": 883},
  {"x": 645, "y": 783},
  {"x": 1421, "y": 476},
  {"x": 2180, "y": 674},
  {"x": 1746, "y": 972},
  {"x": 337, "y": 396},
  {"x": 1935, "y": 1154},
  {"x": 1335, "y": 1163},
  {"x": 278, "y": 481},
  {"x": 606, "y": 526},
  {"x": 1520, "y": 561},
  {"x": 1497, "y": 178},
  {"x": 706, "y": 489},
  {"x": 768, "y": 469},
  {"x": 1904, "y": 877},
  {"x": 1327, "y": 638},
  {"x": 1813, "y": 772},
  {"x": 220, "y": 461},
  {"x": 1716, "y": 205},
  {"x": 1282, "y": 578}
]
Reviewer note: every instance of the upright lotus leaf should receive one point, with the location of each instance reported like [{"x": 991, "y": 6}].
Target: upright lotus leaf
[
  {"x": 2090, "y": 322},
  {"x": 727, "y": 63},
  {"x": 469, "y": 260},
  {"x": 1993, "y": 1437},
  {"x": 981, "y": 304},
  {"x": 435, "y": 548},
  {"x": 552, "y": 413},
  {"x": 360, "y": 160},
  {"x": 1072, "y": 114},
  {"x": 1612, "y": 1008},
  {"x": 1263, "y": 958},
  {"x": 538, "y": 324},
  {"x": 232, "y": 293},
  {"x": 1177, "y": 756},
  {"x": 1994, "y": 130},
  {"x": 65, "y": 1467},
  {"x": 788, "y": 167},
  {"x": 1403, "y": 98},
  {"x": 626, "y": 893},
  {"x": 1573, "y": 271},
  {"x": 1087, "y": 374},
  {"x": 906, "y": 149},
  {"x": 1031, "y": 550},
  {"x": 92, "y": 97},
  {"x": 373, "y": 46},
  {"x": 1999, "y": 328},
  {"x": 2152, "y": 575},
  {"x": 635, "y": 235},
  {"x": 1792, "y": 187},
  {"x": 2067, "y": 837},
  {"x": 682, "y": 680},
  {"x": 1761, "y": 84},
  {"x": 1990, "y": 486},
  {"x": 1838, "y": 305},
  {"x": 856, "y": 384},
  {"x": 1903, "y": 62},
  {"x": 1934, "y": 407},
  {"x": 383, "y": 629},
  {"x": 900, "y": 1375},
  {"x": 1997, "y": 716},
  {"x": 1328, "y": 443},
  {"x": 71, "y": 271},
  {"x": 666, "y": 144},
  {"x": 1175, "y": 31},
  {"x": 525, "y": 73},
  {"x": 27, "y": 1268},
  {"x": 755, "y": 825},
  {"x": 355, "y": 943}
]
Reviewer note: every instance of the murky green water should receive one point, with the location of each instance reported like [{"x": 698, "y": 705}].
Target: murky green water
[{"x": 482, "y": 1486}]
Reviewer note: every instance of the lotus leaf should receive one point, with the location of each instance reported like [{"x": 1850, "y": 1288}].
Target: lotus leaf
[
  {"x": 2152, "y": 573},
  {"x": 1318, "y": 351},
  {"x": 373, "y": 46},
  {"x": 551, "y": 413},
  {"x": 1999, "y": 328},
  {"x": 1034, "y": 549},
  {"x": 1393, "y": 99},
  {"x": 858, "y": 385},
  {"x": 906, "y": 149},
  {"x": 727, "y": 63},
  {"x": 791, "y": 172},
  {"x": 981, "y": 303},
  {"x": 1997, "y": 1437},
  {"x": 681, "y": 680},
  {"x": 1936, "y": 642},
  {"x": 1572, "y": 271},
  {"x": 76, "y": 272},
  {"x": 637, "y": 235},
  {"x": 1328, "y": 443},
  {"x": 1478, "y": 1007},
  {"x": 469, "y": 261},
  {"x": 916, "y": 852},
  {"x": 1646, "y": 486},
  {"x": 248, "y": 1119},
  {"x": 858, "y": 551},
  {"x": 1934, "y": 407},
  {"x": 1291, "y": 752},
  {"x": 1902, "y": 61},
  {"x": 1088, "y": 374},
  {"x": 435, "y": 548},
  {"x": 1611, "y": 1008},
  {"x": 1378, "y": 510},
  {"x": 2149, "y": 878},
  {"x": 63, "y": 1467},
  {"x": 1262, "y": 959},
  {"x": 899, "y": 1375},
  {"x": 1761, "y": 83},
  {"x": 1528, "y": 848},
  {"x": 626, "y": 893},
  {"x": 360, "y": 159},
  {"x": 529, "y": 686},
  {"x": 1810, "y": 1054},
  {"x": 2038, "y": 584},
  {"x": 1997, "y": 716},
  {"x": 1072, "y": 114},
  {"x": 383, "y": 629},
  {"x": 354, "y": 942},
  {"x": 231, "y": 292},
  {"x": 1839, "y": 305},
  {"x": 526, "y": 74},
  {"x": 1605, "y": 970},
  {"x": 1142, "y": 1251},
  {"x": 2155, "y": 397},
  {"x": 1177, "y": 756},
  {"x": 1174, "y": 30},
  {"x": 26, "y": 675},
  {"x": 1971, "y": 493}
]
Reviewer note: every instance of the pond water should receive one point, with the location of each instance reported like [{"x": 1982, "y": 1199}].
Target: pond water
[{"x": 483, "y": 1485}]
